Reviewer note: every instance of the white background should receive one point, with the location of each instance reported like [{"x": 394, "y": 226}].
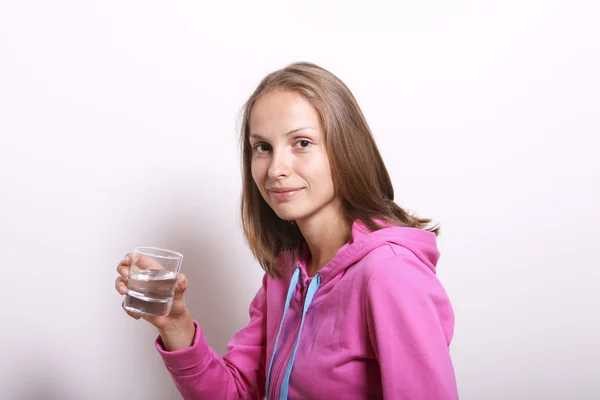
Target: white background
[{"x": 118, "y": 123}]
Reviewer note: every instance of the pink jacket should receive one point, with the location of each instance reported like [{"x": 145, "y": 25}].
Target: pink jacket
[{"x": 374, "y": 323}]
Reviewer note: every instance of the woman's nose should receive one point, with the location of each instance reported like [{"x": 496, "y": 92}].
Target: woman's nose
[{"x": 280, "y": 165}]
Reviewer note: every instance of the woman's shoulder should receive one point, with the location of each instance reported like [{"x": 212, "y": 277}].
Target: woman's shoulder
[{"x": 395, "y": 261}]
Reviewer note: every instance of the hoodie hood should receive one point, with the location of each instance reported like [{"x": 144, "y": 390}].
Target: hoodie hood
[{"x": 420, "y": 242}]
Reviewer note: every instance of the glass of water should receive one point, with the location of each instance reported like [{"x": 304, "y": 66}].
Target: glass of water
[{"x": 152, "y": 280}]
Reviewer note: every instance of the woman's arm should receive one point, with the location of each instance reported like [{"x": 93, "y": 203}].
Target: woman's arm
[
  {"x": 411, "y": 323},
  {"x": 200, "y": 373}
]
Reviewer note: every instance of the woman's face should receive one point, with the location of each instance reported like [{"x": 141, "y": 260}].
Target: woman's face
[{"x": 289, "y": 161}]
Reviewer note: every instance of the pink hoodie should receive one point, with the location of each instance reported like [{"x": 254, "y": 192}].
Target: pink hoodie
[{"x": 377, "y": 324}]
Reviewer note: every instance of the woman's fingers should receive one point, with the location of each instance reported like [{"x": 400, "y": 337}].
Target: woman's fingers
[
  {"x": 182, "y": 284},
  {"x": 125, "y": 262},
  {"x": 123, "y": 270},
  {"x": 121, "y": 282},
  {"x": 121, "y": 285},
  {"x": 178, "y": 299},
  {"x": 142, "y": 261},
  {"x": 123, "y": 267}
]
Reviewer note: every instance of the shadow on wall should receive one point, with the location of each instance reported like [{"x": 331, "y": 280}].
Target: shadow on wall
[
  {"x": 208, "y": 264},
  {"x": 42, "y": 383},
  {"x": 193, "y": 225}
]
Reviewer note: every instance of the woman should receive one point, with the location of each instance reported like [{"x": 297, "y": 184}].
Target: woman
[{"x": 350, "y": 306}]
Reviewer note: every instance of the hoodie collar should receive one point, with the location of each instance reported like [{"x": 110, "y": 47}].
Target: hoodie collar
[{"x": 422, "y": 243}]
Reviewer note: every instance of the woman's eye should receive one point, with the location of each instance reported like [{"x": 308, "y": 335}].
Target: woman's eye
[
  {"x": 262, "y": 147},
  {"x": 303, "y": 143}
]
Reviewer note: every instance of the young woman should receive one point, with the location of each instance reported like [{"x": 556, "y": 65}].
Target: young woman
[{"x": 350, "y": 306}]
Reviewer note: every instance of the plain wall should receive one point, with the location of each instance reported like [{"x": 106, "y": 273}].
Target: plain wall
[{"x": 118, "y": 123}]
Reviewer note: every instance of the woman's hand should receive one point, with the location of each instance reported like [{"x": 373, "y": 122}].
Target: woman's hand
[{"x": 177, "y": 329}]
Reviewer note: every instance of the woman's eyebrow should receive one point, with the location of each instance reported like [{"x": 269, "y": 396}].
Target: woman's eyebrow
[{"x": 259, "y": 136}]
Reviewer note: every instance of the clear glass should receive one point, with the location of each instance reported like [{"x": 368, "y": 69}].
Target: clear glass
[{"x": 152, "y": 280}]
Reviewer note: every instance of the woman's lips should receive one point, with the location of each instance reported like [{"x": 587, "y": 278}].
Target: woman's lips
[{"x": 283, "y": 194}]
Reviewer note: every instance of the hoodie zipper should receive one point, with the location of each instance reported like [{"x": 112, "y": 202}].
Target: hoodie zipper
[{"x": 283, "y": 361}]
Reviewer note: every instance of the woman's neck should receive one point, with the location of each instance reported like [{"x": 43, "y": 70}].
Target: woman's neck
[{"x": 324, "y": 232}]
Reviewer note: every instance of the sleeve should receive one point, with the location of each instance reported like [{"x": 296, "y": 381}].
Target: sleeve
[
  {"x": 200, "y": 373},
  {"x": 410, "y": 322}
]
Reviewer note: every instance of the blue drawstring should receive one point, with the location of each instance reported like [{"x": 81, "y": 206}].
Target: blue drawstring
[
  {"x": 312, "y": 289},
  {"x": 293, "y": 283}
]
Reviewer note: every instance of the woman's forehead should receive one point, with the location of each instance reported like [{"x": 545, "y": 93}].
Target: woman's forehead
[{"x": 281, "y": 113}]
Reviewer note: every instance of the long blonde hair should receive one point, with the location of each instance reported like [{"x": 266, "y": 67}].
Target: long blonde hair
[{"x": 358, "y": 171}]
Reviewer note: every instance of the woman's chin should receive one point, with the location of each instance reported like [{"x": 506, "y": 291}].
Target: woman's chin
[{"x": 288, "y": 215}]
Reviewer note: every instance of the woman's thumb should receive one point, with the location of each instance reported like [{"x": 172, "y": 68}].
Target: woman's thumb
[{"x": 182, "y": 284}]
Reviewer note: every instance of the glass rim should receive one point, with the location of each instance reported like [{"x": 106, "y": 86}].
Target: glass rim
[{"x": 141, "y": 248}]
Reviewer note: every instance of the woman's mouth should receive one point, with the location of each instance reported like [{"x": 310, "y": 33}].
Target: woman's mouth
[{"x": 284, "y": 193}]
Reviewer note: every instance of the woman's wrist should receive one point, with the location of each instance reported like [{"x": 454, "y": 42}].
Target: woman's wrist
[{"x": 179, "y": 335}]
